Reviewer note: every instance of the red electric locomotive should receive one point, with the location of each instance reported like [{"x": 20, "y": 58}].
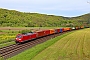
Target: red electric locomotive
[{"x": 24, "y": 37}]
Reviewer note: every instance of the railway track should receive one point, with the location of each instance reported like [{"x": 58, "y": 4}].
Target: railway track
[{"x": 12, "y": 50}]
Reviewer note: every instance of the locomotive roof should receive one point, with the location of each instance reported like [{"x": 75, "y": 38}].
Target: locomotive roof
[{"x": 30, "y": 33}]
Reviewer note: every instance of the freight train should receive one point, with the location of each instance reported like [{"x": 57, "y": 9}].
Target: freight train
[{"x": 20, "y": 38}]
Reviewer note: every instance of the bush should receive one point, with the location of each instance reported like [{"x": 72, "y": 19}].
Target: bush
[
  {"x": 25, "y": 31},
  {"x": 0, "y": 31}
]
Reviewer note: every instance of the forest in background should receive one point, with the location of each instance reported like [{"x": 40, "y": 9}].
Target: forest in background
[{"x": 13, "y": 18}]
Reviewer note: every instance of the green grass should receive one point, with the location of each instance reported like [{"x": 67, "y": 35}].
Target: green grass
[
  {"x": 1, "y": 58},
  {"x": 7, "y": 44},
  {"x": 32, "y": 52},
  {"x": 7, "y": 37},
  {"x": 75, "y": 46}
]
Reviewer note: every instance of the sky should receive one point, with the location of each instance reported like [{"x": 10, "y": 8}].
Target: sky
[{"x": 66, "y": 8}]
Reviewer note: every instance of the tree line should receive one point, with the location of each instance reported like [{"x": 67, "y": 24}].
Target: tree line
[{"x": 12, "y": 18}]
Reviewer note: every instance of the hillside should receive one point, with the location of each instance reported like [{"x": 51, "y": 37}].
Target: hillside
[{"x": 12, "y": 18}]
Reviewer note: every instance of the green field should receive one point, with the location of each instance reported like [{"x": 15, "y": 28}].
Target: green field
[{"x": 75, "y": 46}]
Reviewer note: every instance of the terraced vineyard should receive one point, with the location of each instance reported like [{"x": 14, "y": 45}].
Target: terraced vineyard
[
  {"x": 7, "y": 39},
  {"x": 75, "y": 46}
]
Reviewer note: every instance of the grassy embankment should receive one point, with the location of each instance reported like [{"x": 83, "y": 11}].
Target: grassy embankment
[{"x": 31, "y": 53}]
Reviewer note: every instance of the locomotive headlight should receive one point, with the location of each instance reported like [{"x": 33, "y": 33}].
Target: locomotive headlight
[{"x": 19, "y": 39}]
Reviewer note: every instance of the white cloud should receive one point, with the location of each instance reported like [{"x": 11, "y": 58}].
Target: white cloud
[{"x": 47, "y": 6}]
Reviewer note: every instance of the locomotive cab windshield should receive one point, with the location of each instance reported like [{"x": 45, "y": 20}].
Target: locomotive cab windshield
[{"x": 19, "y": 36}]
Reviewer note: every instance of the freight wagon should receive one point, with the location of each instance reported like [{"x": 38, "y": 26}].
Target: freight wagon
[
  {"x": 66, "y": 29},
  {"x": 76, "y": 28},
  {"x": 52, "y": 31},
  {"x": 40, "y": 33},
  {"x": 61, "y": 30},
  {"x": 47, "y": 32},
  {"x": 81, "y": 27},
  {"x": 57, "y": 30}
]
